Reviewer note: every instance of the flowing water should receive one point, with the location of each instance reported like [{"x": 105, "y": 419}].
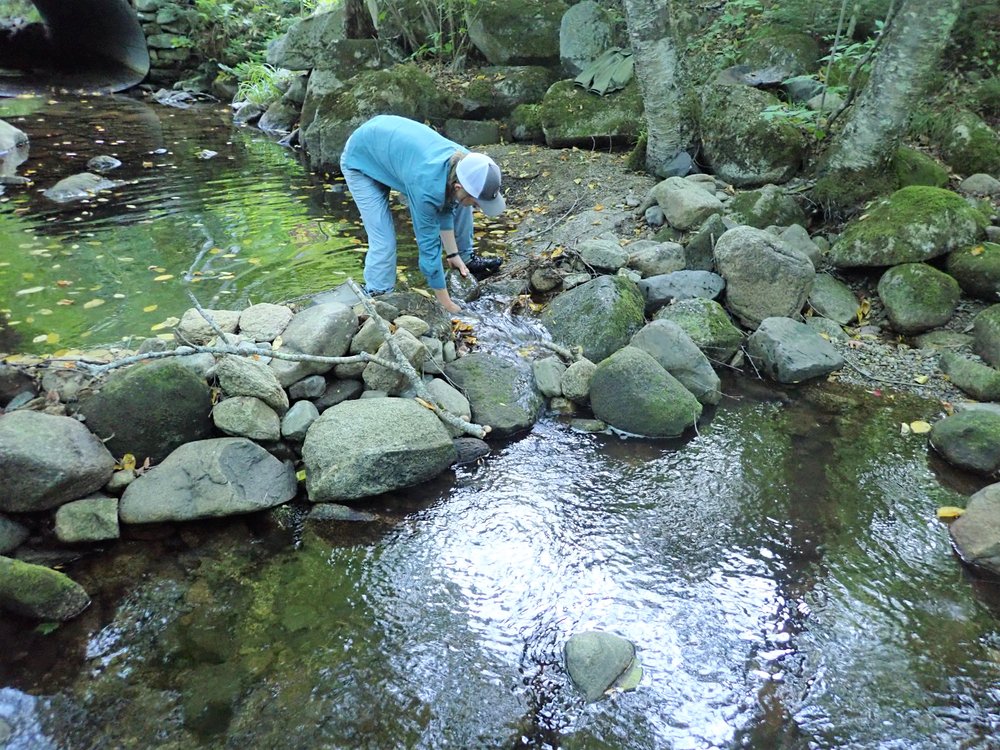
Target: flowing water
[{"x": 781, "y": 571}]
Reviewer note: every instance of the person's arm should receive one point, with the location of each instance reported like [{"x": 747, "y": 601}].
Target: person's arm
[
  {"x": 451, "y": 251},
  {"x": 429, "y": 242}
]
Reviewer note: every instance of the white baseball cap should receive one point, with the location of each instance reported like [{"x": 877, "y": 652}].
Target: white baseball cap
[{"x": 480, "y": 176}]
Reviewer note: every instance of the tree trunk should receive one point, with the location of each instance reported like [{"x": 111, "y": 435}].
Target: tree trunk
[
  {"x": 359, "y": 20},
  {"x": 658, "y": 70},
  {"x": 863, "y": 149}
]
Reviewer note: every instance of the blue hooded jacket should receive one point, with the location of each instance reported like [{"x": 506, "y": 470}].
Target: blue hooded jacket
[{"x": 413, "y": 159}]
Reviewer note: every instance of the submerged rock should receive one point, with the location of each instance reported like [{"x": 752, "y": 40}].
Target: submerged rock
[
  {"x": 597, "y": 661},
  {"x": 78, "y": 186},
  {"x": 969, "y": 439},
  {"x": 39, "y": 592}
]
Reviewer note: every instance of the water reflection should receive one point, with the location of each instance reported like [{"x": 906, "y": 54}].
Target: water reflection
[{"x": 250, "y": 224}]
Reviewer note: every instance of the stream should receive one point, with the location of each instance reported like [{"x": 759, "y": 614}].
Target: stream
[{"x": 781, "y": 569}]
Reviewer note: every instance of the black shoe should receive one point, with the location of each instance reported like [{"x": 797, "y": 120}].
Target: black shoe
[{"x": 480, "y": 266}]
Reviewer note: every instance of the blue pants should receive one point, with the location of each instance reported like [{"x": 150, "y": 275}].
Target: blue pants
[{"x": 372, "y": 199}]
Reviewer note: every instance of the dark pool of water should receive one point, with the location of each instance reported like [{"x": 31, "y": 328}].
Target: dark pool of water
[{"x": 781, "y": 570}]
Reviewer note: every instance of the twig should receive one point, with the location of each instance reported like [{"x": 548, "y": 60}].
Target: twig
[
  {"x": 469, "y": 428},
  {"x": 570, "y": 355},
  {"x": 552, "y": 225}
]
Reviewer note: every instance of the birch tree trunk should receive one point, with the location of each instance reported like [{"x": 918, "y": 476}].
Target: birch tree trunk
[
  {"x": 862, "y": 150},
  {"x": 658, "y": 70}
]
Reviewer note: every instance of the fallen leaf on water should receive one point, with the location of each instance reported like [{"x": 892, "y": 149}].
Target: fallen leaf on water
[
  {"x": 29, "y": 290},
  {"x": 949, "y": 512},
  {"x": 90, "y": 304},
  {"x": 164, "y": 277},
  {"x": 149, "y": 308}
]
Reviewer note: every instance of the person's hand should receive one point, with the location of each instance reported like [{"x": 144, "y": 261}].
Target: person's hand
[{"x": 459, "y": 264}]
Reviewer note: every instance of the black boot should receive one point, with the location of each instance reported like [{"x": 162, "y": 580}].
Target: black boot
[{"x": 480, "y": 266}]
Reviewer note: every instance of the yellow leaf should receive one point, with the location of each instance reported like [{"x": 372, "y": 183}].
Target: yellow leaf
[
  {"x": 425, "y": 404},
  {"x": 301, "y": 475},
  {"x": 39, "y": 339},
  {"x": 128, "y": 462},
  {"x": 863, "y": 310},
  {"x": 921, "y": 379},
  {"x": 93, "y": 303},
  {"x": 168, "y": 323},
  {"x": 149, "y": 308},
  {"x": 423, "y": 292},
  {"x": 253, "y": 261},
  {"x": 920, "y": 427},
  {"x": 977, "y": 250},
  {"x": 949, "y": 512},
  {"x": 598, "y": 207},
  {"x": 164, "y": 277},
  {"x": 556, "y": 252},
  {"x": 30, "y": 290}
]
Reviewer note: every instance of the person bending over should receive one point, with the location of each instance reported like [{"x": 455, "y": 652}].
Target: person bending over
[{"x": 441, "y": 180}]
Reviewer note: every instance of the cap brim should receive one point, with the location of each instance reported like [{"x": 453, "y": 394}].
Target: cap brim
[{"x": 493, "y": 207}]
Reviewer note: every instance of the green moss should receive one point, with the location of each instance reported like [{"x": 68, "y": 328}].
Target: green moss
[
  {"x": 977, "y": 270},
  {"x": 784, "y": 47},
  {"x": 912, "y": 225},
  {"x": 914, "y": 167},
  {"x": 637, "y": 158},
  {"x": 986, "y": 96},
  {"x": 572, "y": 116},
  {"x": 39, "y": 592}
]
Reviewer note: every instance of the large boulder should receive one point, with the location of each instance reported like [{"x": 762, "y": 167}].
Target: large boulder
[
  {"x": 46, "y": 461},
  {"x": 833, "y": 299},
  {"x": 585, "y": 31},
  {"x": 980, "y": 381},
  {"x": 972, "y": 145},
  {"x": 308, "y": 40},
  {"x": 976, "y": 533},
  {"x": 207, "y": 479},
  {"x": 516, "y": 32},
  {"x": 765, "y": 278},
  {"x": 39, "y": 592},
  {"x": 677, "y": 353},
  {"x": 367, "y": 447},
  {"x": 783, "y": 51},
  {"x": 599, "y": 316},
  {"x": 633, "y": 393},
  {"x": 380, "y": 378},
  {"x": 321, "y": 330},
  {"x": 91, "y": 519},
  {"x": 403, "y": 90},
  {"x": 918, "y": 297},
  {"x": 244, "y": 376},
  {"x": 969, "y": 439},
  {"x": 667, "y": 288},
  {"x": 910, "y": 226},
  {"x": 495, "y": 92},
  {"x": 741, "y": 144},
  {"x": 574, "y": 117},
  {"x": 501, "y": 392},
  {"x": 788, "y": 351},
  {"x": 149, "y": 410}
]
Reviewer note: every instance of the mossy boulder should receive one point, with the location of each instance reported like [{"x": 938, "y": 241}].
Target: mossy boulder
[
  {"x": 971, "y": 146},
  {"x": 502, "y": 393},
  {"x": 787, "y": 50},
  {"x": 600, "y": 316},
  {"x": 767, "y": 207},
  {"x": 741, "y": 144},
  {"x": 914, "y": 167},
  {"x": 977, "y": 270},
  {"x": 980, "y": 381},
  {"x": 516, "y": 32},
  {"x": 633, "y": 393},
  {"x": 912, "y": 225},
  {"x": 708, "y": 324},
  {"x": 403, "y": 90},
  {"x": 39, "y": 592},
  {"x": 496, "y": 91},
  {"x": 969, "y": 439},
  {"x": 986, "y": 334},
  {"x": 574, "y": 117},
  {"x": 918, "y": 297},
  {"x": 525, "y": 123},
  {"x": 149, "y": 410}
]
